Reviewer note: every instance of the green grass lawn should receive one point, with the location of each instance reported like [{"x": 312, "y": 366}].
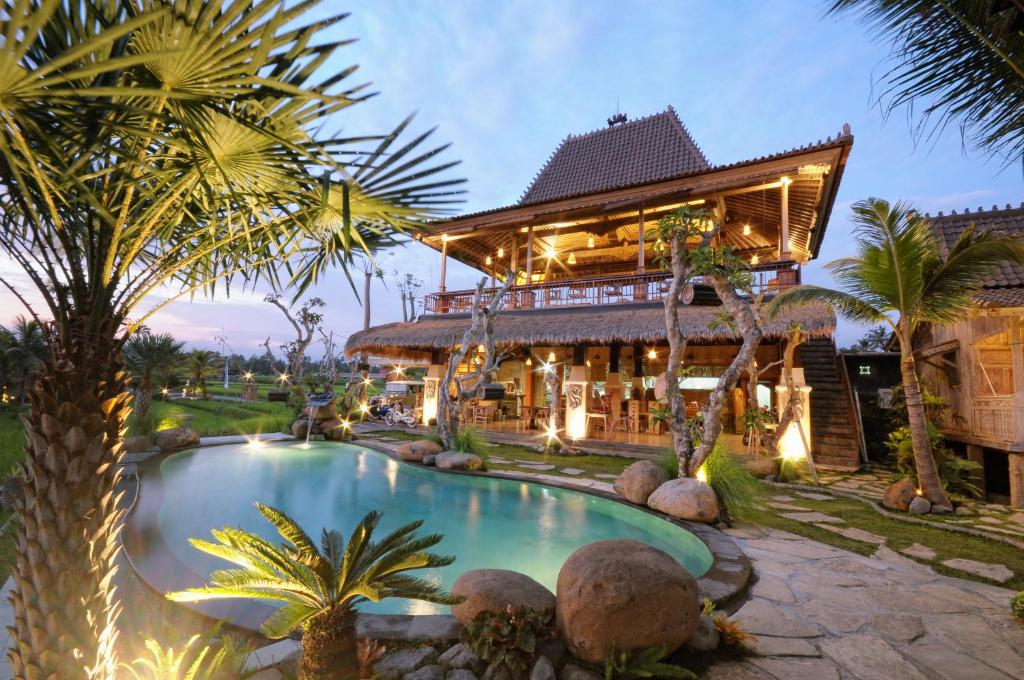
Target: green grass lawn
[
  {"x": 12, "y": 442},
  {"x": 210, "y": 418},
  {"x": 268, "y": 383}
]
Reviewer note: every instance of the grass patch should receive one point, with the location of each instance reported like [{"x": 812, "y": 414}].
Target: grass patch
[
  {"x": 898, "y": 534},
  {"x": 8, "y": 554},
  {"x": 12, "y": 443},
  {"x": 211, "y": 418}
]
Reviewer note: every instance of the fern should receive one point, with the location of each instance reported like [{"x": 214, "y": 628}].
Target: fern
[{"x": 645, "y": 663}]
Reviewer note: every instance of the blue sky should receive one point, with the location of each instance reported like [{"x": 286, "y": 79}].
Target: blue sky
[{"x": 505, "y": 82}]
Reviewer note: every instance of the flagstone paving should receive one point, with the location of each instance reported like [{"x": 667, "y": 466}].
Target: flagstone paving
[{"x": 823, "y": 613}]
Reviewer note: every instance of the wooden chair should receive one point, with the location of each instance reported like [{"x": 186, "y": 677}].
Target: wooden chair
[
  {"x": 578, "y": 292},
  {"x": 613, "y": 293}
]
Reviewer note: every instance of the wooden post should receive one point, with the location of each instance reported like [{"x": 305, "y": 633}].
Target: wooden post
[
  {"x": 640, "y": 264},
  {"x": 529, "y": 255},
  {"x": 976, "y": 454},
  {"x": 444, "y": 261},
  {"x": 784, "y": 227},
  {"x": 513, "y": 255},
  {"x": 1016, "y": 462}
]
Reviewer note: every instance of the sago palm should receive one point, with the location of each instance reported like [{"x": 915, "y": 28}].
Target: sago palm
[
  {"x": 901, "y": 277},
  {"x": 319, "y": 587},
  {"x": 148, "y": 356},
  {"x": 151, "y": 149}
]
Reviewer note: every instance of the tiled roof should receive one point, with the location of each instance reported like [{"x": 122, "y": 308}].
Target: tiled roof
[
  {"x": 645, "y": 150},
  {"x": 1005, "y": 287}
]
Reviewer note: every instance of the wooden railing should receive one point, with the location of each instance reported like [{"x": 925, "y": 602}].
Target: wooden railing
[{"x": 602, "y": 290}]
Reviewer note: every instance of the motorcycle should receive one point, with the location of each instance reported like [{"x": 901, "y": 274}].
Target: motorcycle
[{"x": 397, "y": 416}]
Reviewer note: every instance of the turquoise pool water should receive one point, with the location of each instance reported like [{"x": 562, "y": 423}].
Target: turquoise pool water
[{"x": 487, "y": 522}]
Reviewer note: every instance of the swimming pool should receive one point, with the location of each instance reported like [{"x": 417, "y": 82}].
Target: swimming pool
[{"x": 486, "y": 521}]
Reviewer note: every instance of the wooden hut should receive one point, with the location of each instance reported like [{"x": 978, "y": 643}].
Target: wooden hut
[
  {"x": 588, "y": 296},
  {"x": 977, "y": 365}
]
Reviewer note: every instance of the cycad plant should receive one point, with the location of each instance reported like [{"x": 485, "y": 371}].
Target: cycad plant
[
  {"x": 148, "y": 356},
  {"x": 151, "y": 149},
  {"x": 319, "y": 587},
  {"x": 901, "y": 276}
]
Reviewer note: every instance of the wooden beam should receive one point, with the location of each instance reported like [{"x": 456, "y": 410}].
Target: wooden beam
[
  {"x": 784, "y": 227},
  {"x": 529, "y": 255},
  {"x": 640, "y": 243},
  {"x": 444, "y": 263}
]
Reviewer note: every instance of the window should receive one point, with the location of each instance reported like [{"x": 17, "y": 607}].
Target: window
[{"x": 993, "y": 366}]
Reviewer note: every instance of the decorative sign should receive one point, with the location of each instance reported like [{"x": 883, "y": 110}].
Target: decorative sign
[
  {"x": 575, "y": 396},
  {"x": 865, "y": 369}
]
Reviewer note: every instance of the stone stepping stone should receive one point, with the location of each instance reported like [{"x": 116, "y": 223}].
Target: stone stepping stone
[
  {"x": 766, "y": 645},
  {"x": 572, "y": 471},
  {"x": 783, "y": 499},
  {"x": 536, "y": 466},
  {"x": 919, "y": 551},
  {"x": 990, "y": 520},
  {"x": 815, "y": 496},
  {"x": 812, "y": 517},
  {"x": 761, "y": 617},
  {"x": 498, "y": 459},
  {"x": 994, "y": 572},
  {"x": 787, "y": 506},
  {"x": 854, "y": 534}
]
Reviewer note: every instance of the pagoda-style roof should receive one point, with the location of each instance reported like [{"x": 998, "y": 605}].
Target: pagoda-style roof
[
  {"x": 1005, "y": 286},
  {"x": 636, "y": 152},
  {"x": 586, "y": 206}
]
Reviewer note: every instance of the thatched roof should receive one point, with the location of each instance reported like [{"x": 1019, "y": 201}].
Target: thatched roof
[{"x": 627, "y": 323}]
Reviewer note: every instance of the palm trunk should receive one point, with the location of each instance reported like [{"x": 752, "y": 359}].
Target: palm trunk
[
  {"x": 329, "y": 647},
  {"x": 65, "y": 607},
  {"x": 924, "y": 462}
]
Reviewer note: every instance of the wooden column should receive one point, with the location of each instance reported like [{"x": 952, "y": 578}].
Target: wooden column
[
  {"x": 1016, "y": 460},
  {"x": 513, "y": 255},
  {"x": 444, "y": 261},
  {"x": 976, "y": 454},
  {"x": 640, "y": 264},
  {"x": 529, "y": 255},
  {"x": 784, "y": 226}
]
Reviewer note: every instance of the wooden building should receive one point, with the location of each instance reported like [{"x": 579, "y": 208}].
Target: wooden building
[
  {"x": 589, "y": 293},
  {"x": 977, "y": 365}
]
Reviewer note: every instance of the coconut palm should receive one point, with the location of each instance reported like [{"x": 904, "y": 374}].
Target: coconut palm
[
  {"x": 24, "y": 348},
  {"x": 956, "y": 61},
  {"x": 201, "y": 364},
  {"x": 148, "y": 356},
  {"x": 319, "y": 588},
  {"x": 151, "y": 149},
  {"x": 902, "y": 277}
]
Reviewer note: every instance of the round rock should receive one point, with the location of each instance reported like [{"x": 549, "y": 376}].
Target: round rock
[
  {"x": 493, "y": 590},
  {"x": 454, "y": 460},
  {"x": 627, "y": 594},
  {"x": 686, "y": 498},
  {"x": 417, "y": 450},
  {"x": 919, "y": 506},
  {"x": 639, "y": 480},
  {"x": 761, "y": 467},
  {"x": 899, "y": 496},
  {"x": 176, "y": 438}
]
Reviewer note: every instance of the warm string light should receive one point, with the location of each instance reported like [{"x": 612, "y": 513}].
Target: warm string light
[
  {"x": 283, "y": 377},
  {"x": 552, "y": 358},
  {"x": 590, "y": 242},
  {"x": 501, "y": 253},
  {"x": 488, "y": 261},
  {"x": 652, "y": 354},
  {"x": 755, "y": 259},
  {"x": 746, "y": 230}
]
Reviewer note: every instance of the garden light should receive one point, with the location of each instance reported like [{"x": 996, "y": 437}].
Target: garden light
[{"x": 702, "y": 474}]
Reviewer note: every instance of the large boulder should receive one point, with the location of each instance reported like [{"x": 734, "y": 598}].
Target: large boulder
[
  {"x": 639, "y": 480},
  {"x": 627, "y": 594},
  {"x": 137, "y": 444},
  {"x": 493, "y": 590},
  {"x": 333, "y": 430},
  {"x": 176, "y": 438},
  {"x": 299, "y": 428},
  {"x": 900, "y": 495},
  {"x": 685, "y": 498},
  {"x": 455, "y": 460},
  {"x": 760, "y": 467},
  {"x": 417, "y": 450}
]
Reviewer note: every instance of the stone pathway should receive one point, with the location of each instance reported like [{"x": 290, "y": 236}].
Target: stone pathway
[
  {"x": 821, "y": 613},
  {"x": 988, "y": 517}
]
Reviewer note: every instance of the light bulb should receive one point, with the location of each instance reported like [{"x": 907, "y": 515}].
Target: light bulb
[
  {"x": 529, "y": 361},
  {"x": 590, "y": 242},
  {"x": 572, "y": 258},
  {"x": 552, "y": 358},
  {"x": 746, "y": 230},
  {"x": 549, "y": 252},
  {"x": 755, "y": 259},
  {"x": 652, "y": 354},
  {"x": 501, "y": 252}
]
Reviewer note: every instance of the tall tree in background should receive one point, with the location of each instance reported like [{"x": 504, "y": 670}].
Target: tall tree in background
[
  {"x": 901, "y": 277},
  {"x": 305, "y": 322},
  {"x": 200, "y": 364},
  {"x": 954, "y": 61},
  {"x": 24, "y": 351},
  {"x": 148, "y": 356},
  {"x": 150, "y": 147}
]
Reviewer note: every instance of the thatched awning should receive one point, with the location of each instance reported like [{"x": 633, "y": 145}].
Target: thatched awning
[{"x": 626, "y": 324}]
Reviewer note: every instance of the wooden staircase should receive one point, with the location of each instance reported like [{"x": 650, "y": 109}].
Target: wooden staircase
[{"x": 835, "y": 434}]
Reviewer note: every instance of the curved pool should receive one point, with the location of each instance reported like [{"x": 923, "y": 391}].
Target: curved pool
[{"x": 486, "y": 521}]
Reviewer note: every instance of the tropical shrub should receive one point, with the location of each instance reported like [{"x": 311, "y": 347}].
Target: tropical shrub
[
  {"x": 196, "y": 659},
  {"x": 1017, "y": 605},
  {"x": 510, "y": 637},
  {"x": 320, "y": 587},
  {"x": 731, "y": 630},
  {"x": 728, "y": 476},
  {"x": 670, "y": 461},
  {"x": 469, "y": 440},
  {"x": 646, "y": 663},
  {"x": 954, "y": 471}
]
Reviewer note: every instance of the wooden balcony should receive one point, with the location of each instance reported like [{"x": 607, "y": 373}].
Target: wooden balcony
[{"x": 602, "y": 290}]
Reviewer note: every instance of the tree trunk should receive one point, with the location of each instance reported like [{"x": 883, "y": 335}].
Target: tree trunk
[
  {"x": 329, "y": 647},
  {"x": 924, "y": 461},
  {"x": 367, "y": 278},
  {"x": 682, "y": 438},
  {"x": 405, "y": 310},
  {"x": 412, "y": 307},
  {"x": 794, "y": 400},
  {"x": 65, "y": 608},
  {"x": 749, "y": 326},
  {"x": 143, "y": 400}
]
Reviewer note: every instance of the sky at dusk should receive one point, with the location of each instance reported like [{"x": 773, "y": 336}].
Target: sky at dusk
[{"x": 506, "y": 82}]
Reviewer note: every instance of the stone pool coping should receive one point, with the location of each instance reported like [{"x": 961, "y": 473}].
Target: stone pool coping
[{"x": 725, "y": 582}]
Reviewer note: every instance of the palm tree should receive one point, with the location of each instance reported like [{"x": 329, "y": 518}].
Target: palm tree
[
  {"x": 954, "y": 60},
  {"x": 901, "y": 277},
  {"x": 320, "y": 587},
  {"x": 149, "y": 355},
  {"x": 200, "y": 364},
  {"x": 151, "y": 149},
  {"x": 24, "y": 350}
]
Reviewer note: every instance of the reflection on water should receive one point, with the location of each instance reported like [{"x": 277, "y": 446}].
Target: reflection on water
[{"x": 487, "y": 523}]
